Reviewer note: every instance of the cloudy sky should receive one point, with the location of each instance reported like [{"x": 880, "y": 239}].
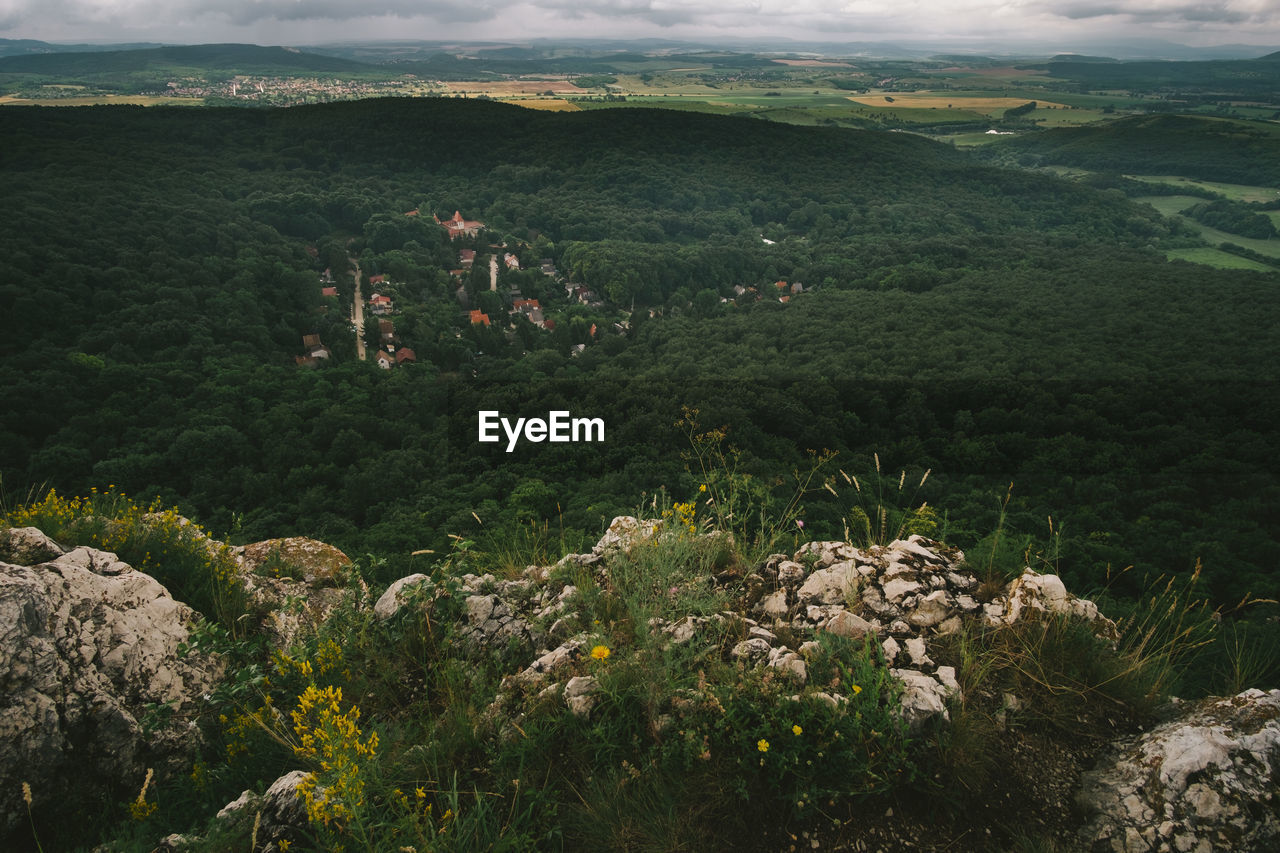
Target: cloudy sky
[{"x": 1193, "y": 22}]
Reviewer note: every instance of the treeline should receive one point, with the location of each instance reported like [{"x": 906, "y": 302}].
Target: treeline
[
  {"x": 995, "y": 326},
  {"x": 1233, "y": 217}
]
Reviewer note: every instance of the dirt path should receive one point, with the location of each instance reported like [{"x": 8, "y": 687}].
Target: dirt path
[{"x": 493, "y": 272}]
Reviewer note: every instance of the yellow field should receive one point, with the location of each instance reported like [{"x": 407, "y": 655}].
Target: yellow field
[
  {"x": 144, "y": 100},
  {"x": 928, "y": 100},
  {"x": 558, "y": 105}
]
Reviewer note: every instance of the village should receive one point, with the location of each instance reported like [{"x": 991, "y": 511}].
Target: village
[{"x": 568, "y": 315}]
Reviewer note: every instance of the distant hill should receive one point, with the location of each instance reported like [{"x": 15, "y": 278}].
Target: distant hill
[
  {"x": 28, "y": 47},
  {"x": 1076, "y": 57},
  {"x": 244, "y": 58},
  {"x": 1256, "y": 77}
]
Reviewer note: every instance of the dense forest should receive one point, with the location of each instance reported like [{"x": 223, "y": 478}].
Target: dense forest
[{"x": 990, "y": 324}]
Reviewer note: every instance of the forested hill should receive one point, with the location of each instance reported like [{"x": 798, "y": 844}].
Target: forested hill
[
  {"x": 1242, "y": 76},
  {"x": 162, "y": 266},
  {"x": 230, "y": 58},
  {"x": 1210, "y": 149}
]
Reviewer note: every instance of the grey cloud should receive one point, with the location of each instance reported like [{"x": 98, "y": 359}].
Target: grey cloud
[
  {"x": 443, "y": 11},
  {"x": 1170, "y": 12},
  {"x": 663, "y": 14}
]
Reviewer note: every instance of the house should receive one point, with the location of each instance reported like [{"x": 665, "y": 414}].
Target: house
[
  {"x": 480, "y": 317},
  {"x": 797, "y": 287},
  {"x": 380, "y": 304},
  {"x": 466, "y": 258},
  {"x": 386, "y": 332},
  {"x": 315, "y": 350},
  {"x": 404, "y": 354},
  {"x": 524, "y": 306},
  {"x": 512, "y": 262},
  {"x": 413, "y": 212},
  {"x": 459, "y": 227},
  {"x": 377, "y": 279},
  {"x": 328, "y": 291},
  {"x": 548, "y": 268},
  {"x": 384, "y": 360}
]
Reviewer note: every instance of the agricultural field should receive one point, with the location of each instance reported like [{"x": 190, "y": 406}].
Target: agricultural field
[{"x": 1216, "y": 258}]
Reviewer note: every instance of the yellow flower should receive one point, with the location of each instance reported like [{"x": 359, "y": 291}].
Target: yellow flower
[
  {"x": 856, "y": 689},
  {"x": 762, "y": 745},
  {"x": 600, "y": 652},
  {"x": 702, "y": 488},
  {"x": 796, "y": 730}
]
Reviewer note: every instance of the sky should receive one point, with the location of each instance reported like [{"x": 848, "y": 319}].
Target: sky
[{"x": 963, "y": 22}]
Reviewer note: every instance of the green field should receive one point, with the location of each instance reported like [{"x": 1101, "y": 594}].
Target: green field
[
  {"x": 1235, "y": 192},
  {"x": 1216, "y": 258}
]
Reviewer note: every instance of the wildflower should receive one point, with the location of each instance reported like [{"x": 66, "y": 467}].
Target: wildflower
[
  {"x": 800, "y": 524},
  {"x": 796, "y": 730},
  {"x": 26, "y": 794},
  {"x": 600, "y": 652},
  {"x": 762, "y": 745},
  {"x": 856, "y": 689},
  {"x": 702, "y": 488}
]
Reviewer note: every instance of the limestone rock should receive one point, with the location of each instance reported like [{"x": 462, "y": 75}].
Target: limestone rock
[
  {"x": 790, "y": 573},
  {"x": 624, "y": 533},
  {"x": 305, "y": 559},
  {"x": 491, "y": 624},
  {"x": 398, "y": 594},
  {"x": 284, "y": 813},
  {"x": 788, "y": 661},
  {"x": 1210, "y": 777},
  {"x": 1033, "y": 592},
  {"x": 27, "y": 546},
  {"x": 846, "y": 624},
  {"x": 579, "y": 694},
  {"x": 923, "y": 696},
  {"x": 830, "y": 586},
  {"x": 775, "y": 604},
  {"x": 87, "y": 647}
]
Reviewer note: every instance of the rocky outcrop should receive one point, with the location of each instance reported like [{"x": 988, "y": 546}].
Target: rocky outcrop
[
  {"x": 93, "y": 690},
  {"x": 1206, "y": 780},
  {"x": 297, "y": 557},
  {"x": 901, "y": 596}
]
